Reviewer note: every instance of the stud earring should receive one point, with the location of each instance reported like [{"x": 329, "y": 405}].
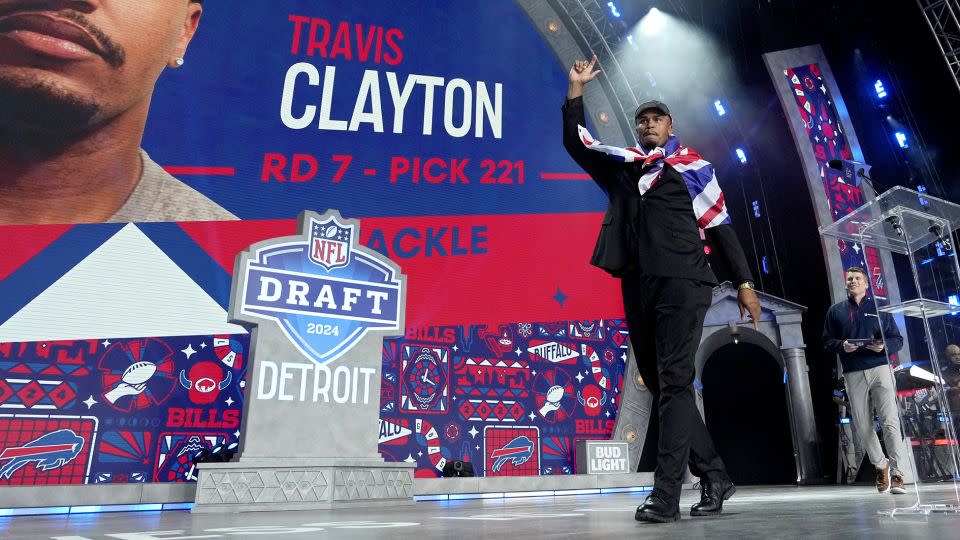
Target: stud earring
[{"x": 179, "y": 61}]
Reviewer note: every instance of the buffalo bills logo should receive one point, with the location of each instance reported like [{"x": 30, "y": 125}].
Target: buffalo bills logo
[
  {"x": 205, "y": 382},
  {"x": 323, "y": 289},
  {"x": 517, "y": 452},
  {"x": 592, "y": 399},
  {"x": 50, "y": 451},
  {"x": 330, "y": 243}
]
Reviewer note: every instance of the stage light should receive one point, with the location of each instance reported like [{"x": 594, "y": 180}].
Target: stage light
[
  {"x": 458, "y": 468},
  {"x": 593, "y": 491},
  {"x": 632, "y": 43},
  {"x": 953, "y": 300},
  {"x": 37, "y": 511},
  {"x": 116, "y": 508},
  {"x": 741, "y": 155},
  {"x": 756, "y": 209},
  {"x": 515, "y": 494},
  {"x": 653, "y": 22},
  {"x": 901, "y": 138},
  {"x": 613, "y": 9},
  {"x": 719, "y": 107},
  {"x": 766, "y": 267},
  {"x": 879, "y": 89},
  {"x": 468, "y": 496},
  {"x": 418, "y": 498},
  {"x": 625, "y": 490},
  {"x": 922, "y": 190},
  {"x": 91, "y": 509}
]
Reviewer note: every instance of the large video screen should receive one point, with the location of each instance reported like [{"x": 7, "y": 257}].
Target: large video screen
[{"x": 144, "y": 144}]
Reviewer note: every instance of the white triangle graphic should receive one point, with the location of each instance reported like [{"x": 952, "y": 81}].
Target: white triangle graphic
[
  {"x": 126, "y": 288},
  {"x": 391, "y": 430}
]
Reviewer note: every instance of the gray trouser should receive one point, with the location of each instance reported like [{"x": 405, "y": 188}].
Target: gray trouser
[{"x": 871, "y": 389}]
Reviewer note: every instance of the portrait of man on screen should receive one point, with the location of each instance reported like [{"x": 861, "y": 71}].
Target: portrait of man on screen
[{"x": 76, "y": 82}]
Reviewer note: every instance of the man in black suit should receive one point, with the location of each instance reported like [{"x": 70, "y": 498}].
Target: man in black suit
[{"x": 649, "y": 238}]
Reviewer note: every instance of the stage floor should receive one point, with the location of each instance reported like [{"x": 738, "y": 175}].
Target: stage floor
[{"x": 768, "y": 512}]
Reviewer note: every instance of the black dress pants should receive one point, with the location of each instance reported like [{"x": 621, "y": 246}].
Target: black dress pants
[{"x": 665, "y": 320}]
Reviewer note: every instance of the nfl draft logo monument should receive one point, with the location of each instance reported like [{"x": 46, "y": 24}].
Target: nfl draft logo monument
[{"x": 318, "y": 305}]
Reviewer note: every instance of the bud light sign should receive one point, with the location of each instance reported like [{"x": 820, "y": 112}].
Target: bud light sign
[{"x": 322, "y": 288}]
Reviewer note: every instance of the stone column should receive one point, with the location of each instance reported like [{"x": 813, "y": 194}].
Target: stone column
[
  {"x": 633, "y": 412},
  {"x": 806, "y": 442}
]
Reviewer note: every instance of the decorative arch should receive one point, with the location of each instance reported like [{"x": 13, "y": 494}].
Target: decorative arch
[{"x": 779, "y": 335}]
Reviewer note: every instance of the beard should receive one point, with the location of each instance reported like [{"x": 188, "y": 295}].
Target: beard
[
  {"x": 648, "y": 142},
  {"x": 32, "y": 108}
]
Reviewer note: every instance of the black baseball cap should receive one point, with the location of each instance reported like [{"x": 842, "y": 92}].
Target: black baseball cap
[{"x": 652, "y": 104}]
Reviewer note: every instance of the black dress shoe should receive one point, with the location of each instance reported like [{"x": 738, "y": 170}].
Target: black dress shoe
[
  {"x": 656, "y": 509},
  {"x": 712, "y": 495}
]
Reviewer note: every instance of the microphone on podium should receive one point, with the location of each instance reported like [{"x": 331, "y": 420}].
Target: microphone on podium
[{"x": 853, "y": 171}]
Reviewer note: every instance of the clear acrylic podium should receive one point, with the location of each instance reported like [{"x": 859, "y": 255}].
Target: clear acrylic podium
[{"x": 916, "y": 230}]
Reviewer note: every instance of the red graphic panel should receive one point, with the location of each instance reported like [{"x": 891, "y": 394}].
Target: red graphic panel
[
  {"x": 511, "y": 451},
  {"x": 38, "y": 450}
]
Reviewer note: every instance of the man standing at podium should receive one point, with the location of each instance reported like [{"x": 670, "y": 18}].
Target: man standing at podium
[
  {"x": 852, "y": 329},
  {"x": 659, "y": 195}
]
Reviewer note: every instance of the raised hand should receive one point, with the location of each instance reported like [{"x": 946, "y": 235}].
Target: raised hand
[
  {"x": 582, "y": 71},
  {"x": 580, "y": 74}
]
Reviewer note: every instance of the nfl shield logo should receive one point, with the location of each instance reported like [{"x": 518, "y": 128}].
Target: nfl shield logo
[
  {"x": 330, "y": 242},
  {"x": 322, "y": 288}
]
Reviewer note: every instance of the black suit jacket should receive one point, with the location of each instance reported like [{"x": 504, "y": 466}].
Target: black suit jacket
[{"x": 654, "y": 234}]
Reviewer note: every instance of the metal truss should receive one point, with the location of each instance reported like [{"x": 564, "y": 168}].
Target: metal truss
[
  {"x": 942, "y": 16},
  {"x": 604, "y": 37}
]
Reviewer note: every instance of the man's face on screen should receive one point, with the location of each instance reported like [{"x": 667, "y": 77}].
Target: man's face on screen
[{"x": 67, "y": 66}]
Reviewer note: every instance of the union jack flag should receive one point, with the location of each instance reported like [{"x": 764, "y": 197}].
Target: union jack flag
[{"x": 697, "y": 173}]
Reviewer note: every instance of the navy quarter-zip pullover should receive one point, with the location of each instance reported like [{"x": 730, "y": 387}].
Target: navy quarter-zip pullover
[{"x": 847, "y": 320}]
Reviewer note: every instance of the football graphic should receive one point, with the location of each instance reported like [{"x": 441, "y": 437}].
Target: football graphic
[{"x": 138, "y": 373}]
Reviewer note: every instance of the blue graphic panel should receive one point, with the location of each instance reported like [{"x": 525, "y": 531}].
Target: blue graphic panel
[
  {"x": 123, "y": 410},
  {"x": 512, "y": 400}
]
